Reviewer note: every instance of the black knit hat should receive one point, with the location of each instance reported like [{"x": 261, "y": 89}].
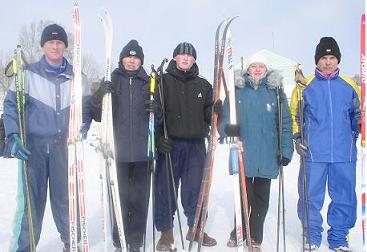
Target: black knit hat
[
  {"x": 185, "y": 48},
  {"x": 54, "y": 32},
  {"x": 132, "y": 49},
  {"x": 327, "y": 46}
]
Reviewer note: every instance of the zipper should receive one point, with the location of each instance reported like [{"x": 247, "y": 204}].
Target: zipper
[
  {"x": 331, "y": 123},
  {"x": 131, "y": 117}
]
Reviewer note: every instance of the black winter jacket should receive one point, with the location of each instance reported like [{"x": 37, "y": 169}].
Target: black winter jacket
[
  {"x": 188, "y": 101},
  {"x": 130, "y": 119}
]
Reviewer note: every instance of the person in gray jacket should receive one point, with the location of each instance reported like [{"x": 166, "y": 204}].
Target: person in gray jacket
[
  {"x": 47, "y": 87},
  {"x": 257, "y": 127}
]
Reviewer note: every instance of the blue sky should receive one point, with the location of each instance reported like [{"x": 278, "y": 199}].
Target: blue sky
[{"x": 291, "y": 28}]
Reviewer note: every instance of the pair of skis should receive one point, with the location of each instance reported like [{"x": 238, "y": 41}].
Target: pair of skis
[
  {"x": 203, "y": 200},
  {"x": 237, "y": 165},
  {"x": 76, "y": 180},
  {"x": 108, "y": 173}
]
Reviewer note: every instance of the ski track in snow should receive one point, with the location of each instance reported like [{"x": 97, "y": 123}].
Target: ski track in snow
[{"x": 220, "y": 219}]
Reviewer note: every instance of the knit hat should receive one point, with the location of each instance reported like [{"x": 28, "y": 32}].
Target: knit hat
[
  {"x": 54, "y": 32},
  {"x": 132, "y": 49},
  {"x": 185, "y": 48},
  {"x": 327, "y": 46},
  {"x": 258, "y": 57}
]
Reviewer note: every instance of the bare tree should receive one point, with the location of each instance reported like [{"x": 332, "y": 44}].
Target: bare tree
[{"x": 29, "y": 39}]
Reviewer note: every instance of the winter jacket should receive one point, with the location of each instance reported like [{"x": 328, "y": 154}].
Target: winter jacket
[
  {"x": 188, "y": 101},
  {"x": 47, "y": 103},
  {"x": 331, "y": 112},
  {"x": 130, "y": 118},
  {"x": 257, "y": 116}
]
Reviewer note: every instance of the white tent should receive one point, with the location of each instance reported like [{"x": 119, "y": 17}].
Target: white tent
[{"x": 285, "y": 66}]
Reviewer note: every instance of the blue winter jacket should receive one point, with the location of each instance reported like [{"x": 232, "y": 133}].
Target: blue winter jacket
[
  {"x": 47, "y": 103},
  {"x": 257, "y": 116},
  {"x": 330, "y": 122}
]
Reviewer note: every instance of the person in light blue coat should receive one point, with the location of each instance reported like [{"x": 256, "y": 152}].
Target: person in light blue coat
[{"x": 257, "y": 116}]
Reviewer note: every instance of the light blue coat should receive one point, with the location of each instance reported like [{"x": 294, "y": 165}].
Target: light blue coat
[{"x": 257, "y": 116}]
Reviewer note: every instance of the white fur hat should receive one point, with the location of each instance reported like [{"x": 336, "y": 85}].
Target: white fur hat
[{"x": 259, "y": 57}]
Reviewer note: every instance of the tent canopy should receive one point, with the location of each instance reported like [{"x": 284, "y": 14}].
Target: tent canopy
[{"x": 283, "y": 65}]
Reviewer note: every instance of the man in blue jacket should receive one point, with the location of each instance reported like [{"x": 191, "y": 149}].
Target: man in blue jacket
[
  {"x": 331, "y": 112},
  {"x": 47, "y": 89}
]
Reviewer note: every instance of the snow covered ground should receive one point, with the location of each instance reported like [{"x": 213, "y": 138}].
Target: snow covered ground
[{"x": 220, "y": 220}]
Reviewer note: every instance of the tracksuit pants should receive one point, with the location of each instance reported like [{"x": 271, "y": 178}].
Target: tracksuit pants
[{"x": 340, "y": 179}]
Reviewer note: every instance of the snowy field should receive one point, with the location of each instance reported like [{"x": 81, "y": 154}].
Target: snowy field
[{"x": 220, "y": 220}]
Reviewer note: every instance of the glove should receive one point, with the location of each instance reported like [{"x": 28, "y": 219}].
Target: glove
[
  {"x": 300, "y": 148},
  {"x": 232, "y": 130},
  {"x": 283, "y": 160},
  {"x": 164, "y": 144},
  {"x": 104, "y": 87},
  {"x": 107, "y": 86},
  {"x": 15, "y": 148},
  {"x": 84, "y": 130},
  {"x": 218, "y": 107},
  {"x": 151, "y": 106}
]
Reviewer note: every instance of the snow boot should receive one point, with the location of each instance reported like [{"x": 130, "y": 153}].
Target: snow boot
[
  {"x": 207, "y": 240},
  {"x": 342, "y": 249},
  {"x": 313, "y": 247},
  {"x": 256, "y": 247},
  {"x": 166, "y": 242},
  {"x": 231, "y": 243}
]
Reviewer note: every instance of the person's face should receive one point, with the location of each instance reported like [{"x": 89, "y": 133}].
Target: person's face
[
  {"x": 257, "y": 70},
  {"x": 54, "y": 51},
  {"x": 327, "y": 64},
  {"x": 184, "y": 61},
  {"x": 131, "y": 63}
]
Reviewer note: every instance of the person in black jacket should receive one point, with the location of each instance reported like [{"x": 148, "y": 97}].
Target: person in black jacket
[
  {"x": 130, "y": 107},
  {"x": 188, "y": 101}
]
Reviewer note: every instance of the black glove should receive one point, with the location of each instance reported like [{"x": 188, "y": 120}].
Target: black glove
[
  {"x": 218, "y": 107},
  {"x": 232, "y": 130},
  {"x": 104, "y": 87},
  {"x": 283, "y": 160},
  {"x": 164, "y": 144},
  {"x": 300, "y": 148},
  {"x": 151, "y": 106},
  {"x": 107, "y": 86}
]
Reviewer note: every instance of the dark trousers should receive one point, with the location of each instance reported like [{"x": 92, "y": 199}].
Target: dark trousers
[
  {"x": 188, "y": 157},
  {"x": 134, "y": 190},
  {"x": 258, "y": 192}
]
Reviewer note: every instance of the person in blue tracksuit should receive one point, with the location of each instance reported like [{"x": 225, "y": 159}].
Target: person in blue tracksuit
[
  {"x": 256, "y": 94},
  {"x": 47, "y": 103},
  {"x": 188, "y": 102},
  {"x": 131, "y": 106},
  {"x": 331, "y": 112}
]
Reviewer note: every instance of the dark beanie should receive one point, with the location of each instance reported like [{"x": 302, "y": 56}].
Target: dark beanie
[
  {"x": 132, "y": 49},
  {"x": 327, "y": 46},
  {"x": 185, "y": 48},
  {"x": 54, "y": 32}
]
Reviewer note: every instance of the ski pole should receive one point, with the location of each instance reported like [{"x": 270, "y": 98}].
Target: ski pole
[
  {"x": 168, "y": 160},
  {"x": 281, "y": 208}
]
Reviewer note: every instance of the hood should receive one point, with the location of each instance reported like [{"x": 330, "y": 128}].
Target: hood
[{"x": 272, "y": 79}]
